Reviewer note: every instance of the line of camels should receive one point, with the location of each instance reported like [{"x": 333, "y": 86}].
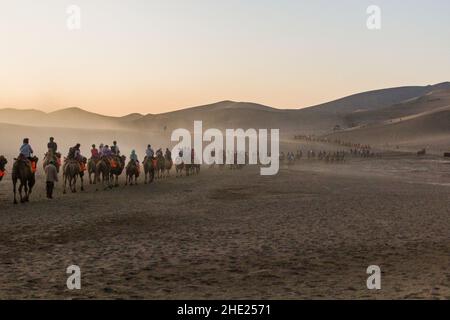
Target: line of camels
[{"x": 101, "y": 171}]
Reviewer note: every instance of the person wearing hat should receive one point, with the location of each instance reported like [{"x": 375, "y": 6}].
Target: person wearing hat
[{"x": 51, "y": 175}]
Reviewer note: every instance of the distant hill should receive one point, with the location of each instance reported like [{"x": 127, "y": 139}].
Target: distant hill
[
  {"x": 65, "y": 118},
  {"x": 423, "y": 122},
  {"x": 377, "y": 99},
  {"x": 355, "y": 111}
]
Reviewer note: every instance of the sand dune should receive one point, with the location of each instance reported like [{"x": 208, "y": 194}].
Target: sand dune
[
  {"x": 319, "y": 118},
  {"x": 420, "y": 123}
]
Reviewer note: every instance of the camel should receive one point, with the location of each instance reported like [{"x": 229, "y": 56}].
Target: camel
[
  {"x": 422, "y": 152},
  {"x": 71, "y": 170},
  {"x": 92, "y": 168},
  {"x": 3, "y": 163},
  {"x": 102, "y": 172},
  {"x": 26, "y": 174},
  {"x": 149, "y": 170},
  {"x": 160, "y": 166},
  {"x": 116, "y": 169},
  {"x": 179, "y": 167},
  {"x": 132, "y": 172}
]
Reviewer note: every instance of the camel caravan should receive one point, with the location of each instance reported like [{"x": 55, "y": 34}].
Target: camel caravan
[{"x": 103, "y": 168}]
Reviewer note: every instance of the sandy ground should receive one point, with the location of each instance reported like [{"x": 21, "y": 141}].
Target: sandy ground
[{"x": 310, "y": 232}]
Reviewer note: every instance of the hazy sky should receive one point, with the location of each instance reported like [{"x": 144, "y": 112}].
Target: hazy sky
[{"x": 153, "y": 56}]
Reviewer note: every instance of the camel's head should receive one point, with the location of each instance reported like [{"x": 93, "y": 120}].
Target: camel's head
[
  {"x": 84, "y": 160},
  {"x": 123, "y": 159},
  {"x": 35, "y": 159}
]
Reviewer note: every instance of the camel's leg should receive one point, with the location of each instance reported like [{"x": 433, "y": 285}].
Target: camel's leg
[
  {"x": 74, "y": 184},
  {"x": 27, "y": 195},
  {"x": 65, "y": 184},
  {"x": 14, "y": 189},
  {"x": 20, "y": 191},
  {"x": 82, "y": 183}
]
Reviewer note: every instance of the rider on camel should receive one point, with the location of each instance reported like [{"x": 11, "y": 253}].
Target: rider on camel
[
  {"x": 52, "y": 146},
  {"x": 106, "y": 152},
  {"x": 94, "y": 153},
  {"x": 134, "y": 157},
  {"x": 75, "y": 153},
  {"x": 115, "y": 151},
  {"x": 26, "y": 153},
  {"x": 149, "y": 153},
  {"x": 168, "y": 154}
]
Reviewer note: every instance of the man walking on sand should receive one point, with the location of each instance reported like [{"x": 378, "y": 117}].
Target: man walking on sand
[{"x": 51, "y": 174}]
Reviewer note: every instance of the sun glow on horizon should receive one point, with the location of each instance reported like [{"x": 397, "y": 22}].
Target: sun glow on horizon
[{"x": 160, "y": 56}]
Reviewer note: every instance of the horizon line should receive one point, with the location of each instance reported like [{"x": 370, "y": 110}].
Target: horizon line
[{"x": 218, "y": 102}]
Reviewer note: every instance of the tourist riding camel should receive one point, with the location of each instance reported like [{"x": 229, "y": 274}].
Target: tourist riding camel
[
  {"x": 52, "y": 154},
  {"x": 168, "y": 154},
  {"x": 26, "y": 154},
  {"x": 95, "y": 155},
  {"x": 149, "y": 153},
  {"x": 133, "y": 169},
  {"x": 134, "y": 157},
  {"x": 100, "y": 149},
  {"x": 106, "y": 152},
  {"x": 115, "y": 151},
  {"x": 52, "y": 146},
  {"x": 73, "y": 151}
]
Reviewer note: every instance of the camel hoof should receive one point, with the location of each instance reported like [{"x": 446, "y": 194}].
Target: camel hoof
[{"x": 15, "y": 202}]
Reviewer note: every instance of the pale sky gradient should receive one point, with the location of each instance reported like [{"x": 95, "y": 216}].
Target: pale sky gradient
[{"x": 153, "y": 56}]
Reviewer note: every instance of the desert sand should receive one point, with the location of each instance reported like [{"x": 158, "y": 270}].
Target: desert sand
[{"x": 308, "y": 233}]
